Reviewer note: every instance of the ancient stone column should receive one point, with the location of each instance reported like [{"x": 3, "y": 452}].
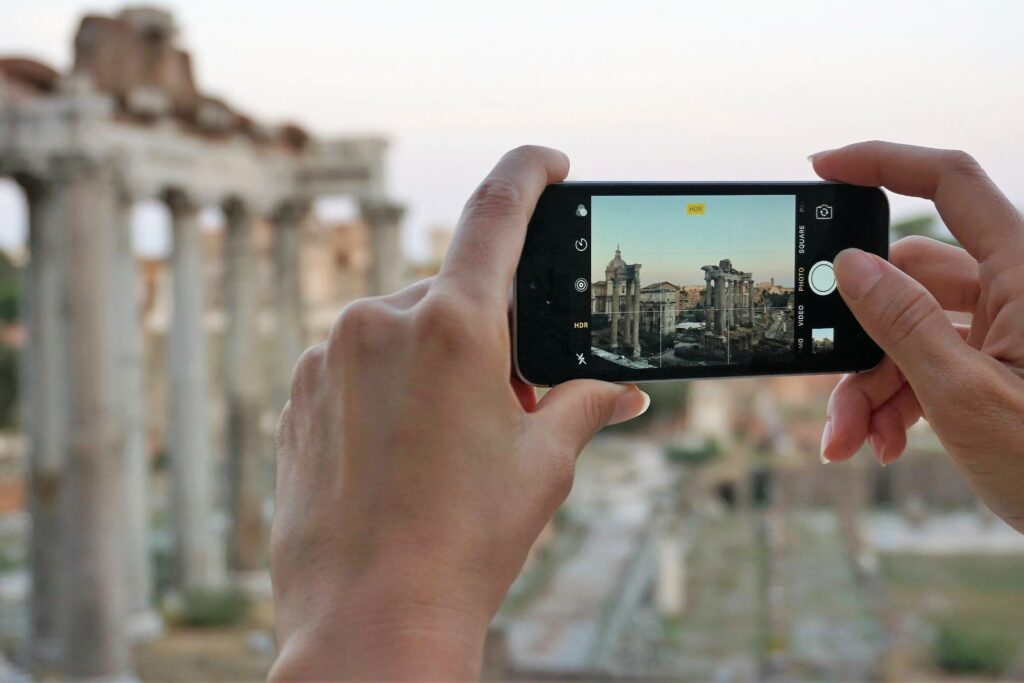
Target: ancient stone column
[
  {"x": 635, "y": 331},
  {"x": 615, "y": 313},
  {"x": 720, "y": 319},
  {"x": 709, "y": 304},
  {"x": 47, "y": 409},
  {"x": 383, "y": 219},
  {"x": 143, "y": 621},
  {"x": 242, "y": 371},
  {"x": 95, "y": 641},
  {"x": 627, "y": 315},
  {"x": 188, "y": 428},
  {"x": 730, "y": 293},
  {"x": 670, "y": 587},
  {"x": 290, "y": 330},
  {"x": 751, "y": 298}
]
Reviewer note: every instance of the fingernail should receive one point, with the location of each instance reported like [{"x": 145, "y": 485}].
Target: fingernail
[
  {"x": 878, "y": 446},
  {"x": 856, "y": 272},
  {"x": 812, "y": 157},
  {"x": 629, "y": 405},
  {"x": 826, "y": 436}
]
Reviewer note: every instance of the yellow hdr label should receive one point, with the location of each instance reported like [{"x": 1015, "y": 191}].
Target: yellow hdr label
[{"x": 696, "y": 209}]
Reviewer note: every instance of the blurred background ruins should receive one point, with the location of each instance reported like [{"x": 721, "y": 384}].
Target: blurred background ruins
[{"x": 189, "y": 194}]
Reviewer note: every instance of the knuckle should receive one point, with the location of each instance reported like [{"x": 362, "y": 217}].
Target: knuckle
[
  {"x": 306, "y": 375},
  {"x": 495, "y": 197},
  {"x": 362, "y": 328},
  {"x": 962, "y": 163},
  {"x": 1004, "y": 284},
  {"x": 526, "y": 151},
  {"x": 446, "y": 321}
]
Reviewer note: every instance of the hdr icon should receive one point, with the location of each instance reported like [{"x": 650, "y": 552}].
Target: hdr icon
[{"x": 580, "y": 325}]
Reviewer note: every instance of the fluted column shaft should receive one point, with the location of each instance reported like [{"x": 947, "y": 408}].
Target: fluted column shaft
[
  {"x": 383, "y": 220},
  {"x": 125, "y": 301},
  {"x": 242, "y": 369},
  {"x": 96, "y": 645},
  {"x": 188, "y": 428},
  {"x": 47, "y": 414},
  {"x": 290, "y": 331}
]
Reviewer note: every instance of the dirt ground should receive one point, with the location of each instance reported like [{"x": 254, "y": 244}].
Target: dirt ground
[{"x": 209, "y": 654}]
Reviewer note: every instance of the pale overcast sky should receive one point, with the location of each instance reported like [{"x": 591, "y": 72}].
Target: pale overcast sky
[{"x": 640, "y": 90}]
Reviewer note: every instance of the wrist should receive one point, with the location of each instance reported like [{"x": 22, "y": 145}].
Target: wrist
[{"x": 378, "y": 637}]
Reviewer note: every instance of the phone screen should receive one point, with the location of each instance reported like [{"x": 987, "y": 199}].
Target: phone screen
[{"x": 637, "y": 282}]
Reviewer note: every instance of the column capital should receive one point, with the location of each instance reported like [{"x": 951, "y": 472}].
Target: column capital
[
  {"x": 237, "y": 210},
  {"x": 291, "y": 211},
  {"x": 179, "y": 202},
  {"x": 378, "y": 211}
]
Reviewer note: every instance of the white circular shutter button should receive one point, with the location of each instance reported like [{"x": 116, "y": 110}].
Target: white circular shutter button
[{"x": 822, "y": 278}]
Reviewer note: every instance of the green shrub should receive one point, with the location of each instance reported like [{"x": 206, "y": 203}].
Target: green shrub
[
  {"x": 205, "y": 607},
  {"x": 972, "y": 648},
  {"x": 693, "y": 455},
  {"x": 9, "y": 375}
]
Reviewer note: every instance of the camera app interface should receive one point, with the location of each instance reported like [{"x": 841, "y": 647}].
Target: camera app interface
[{"x": 692, "y": 281}]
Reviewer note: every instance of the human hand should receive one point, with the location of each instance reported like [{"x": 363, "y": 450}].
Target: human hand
[
  {"x": 413, "y": 474},
  {"x": 967, "y": 381}
]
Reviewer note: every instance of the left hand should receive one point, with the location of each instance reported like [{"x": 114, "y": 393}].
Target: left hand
[{"x": 413, "y": 474}]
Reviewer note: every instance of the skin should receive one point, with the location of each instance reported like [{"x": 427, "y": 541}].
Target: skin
[
  {"x": 966, "y": 381},
  {"x": 414, "y": 475}
]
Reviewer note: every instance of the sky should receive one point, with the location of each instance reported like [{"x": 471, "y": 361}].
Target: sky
[
  {"x": 631, "y": 91},
  {"x": 756, "y": 232}
]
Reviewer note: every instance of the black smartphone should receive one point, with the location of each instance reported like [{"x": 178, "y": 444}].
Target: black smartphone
[{"x": 635, "y": 282}]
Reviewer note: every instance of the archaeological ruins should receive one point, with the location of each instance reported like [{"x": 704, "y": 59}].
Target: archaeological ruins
[{"x": 128, "y": 124}]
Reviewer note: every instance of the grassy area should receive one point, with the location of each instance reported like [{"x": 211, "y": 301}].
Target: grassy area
[
  {"x": 973, "y": 605},
  {"x": 989, "y": 587},
  {"x": 718, "y": 633}
]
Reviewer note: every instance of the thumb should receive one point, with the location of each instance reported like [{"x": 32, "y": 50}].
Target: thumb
[
  {"x": 900, "y": 315},
  {"x": 576, "y": 410}
]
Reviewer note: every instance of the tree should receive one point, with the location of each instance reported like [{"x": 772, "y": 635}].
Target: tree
[
  {"x": 10, "y": 290},
  {"x": 925, "y": 225}
]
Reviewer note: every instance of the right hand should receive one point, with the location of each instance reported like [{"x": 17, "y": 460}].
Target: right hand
[{"x": 967, "y": 381}]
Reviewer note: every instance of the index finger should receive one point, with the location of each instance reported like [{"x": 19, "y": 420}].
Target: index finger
[
  {"x": 485, "y": 251},
  {"x": 977, "y": 213}
]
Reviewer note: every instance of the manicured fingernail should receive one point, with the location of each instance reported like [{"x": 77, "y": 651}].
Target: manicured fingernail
[
  {"x": 878, "y": 446},
  {"x": 647, "y": 402},
  {"x": 629, "y": 405},
  {"x": 856, "y": 272},
  {"x": 826, "y": 436}
]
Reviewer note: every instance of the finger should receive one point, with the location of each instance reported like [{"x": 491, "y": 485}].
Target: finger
[
  {"x": 889, "y": 424},
  {"x": 857, "y": 398},
  {"x": 902, "y": 317},
  {"x": 485, "y": 250},
  {"x": 948, "y": 272},
  {"x": 573, "y": 412},
  {"x": 976, "y": 212},
  {"x": 851, "y": 405}
]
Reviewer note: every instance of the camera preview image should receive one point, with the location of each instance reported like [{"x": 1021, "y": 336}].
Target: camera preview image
[{"x": 691, "y": 281}]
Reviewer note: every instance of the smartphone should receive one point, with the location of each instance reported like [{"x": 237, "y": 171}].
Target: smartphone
[{"x": 635, "y": 282}]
